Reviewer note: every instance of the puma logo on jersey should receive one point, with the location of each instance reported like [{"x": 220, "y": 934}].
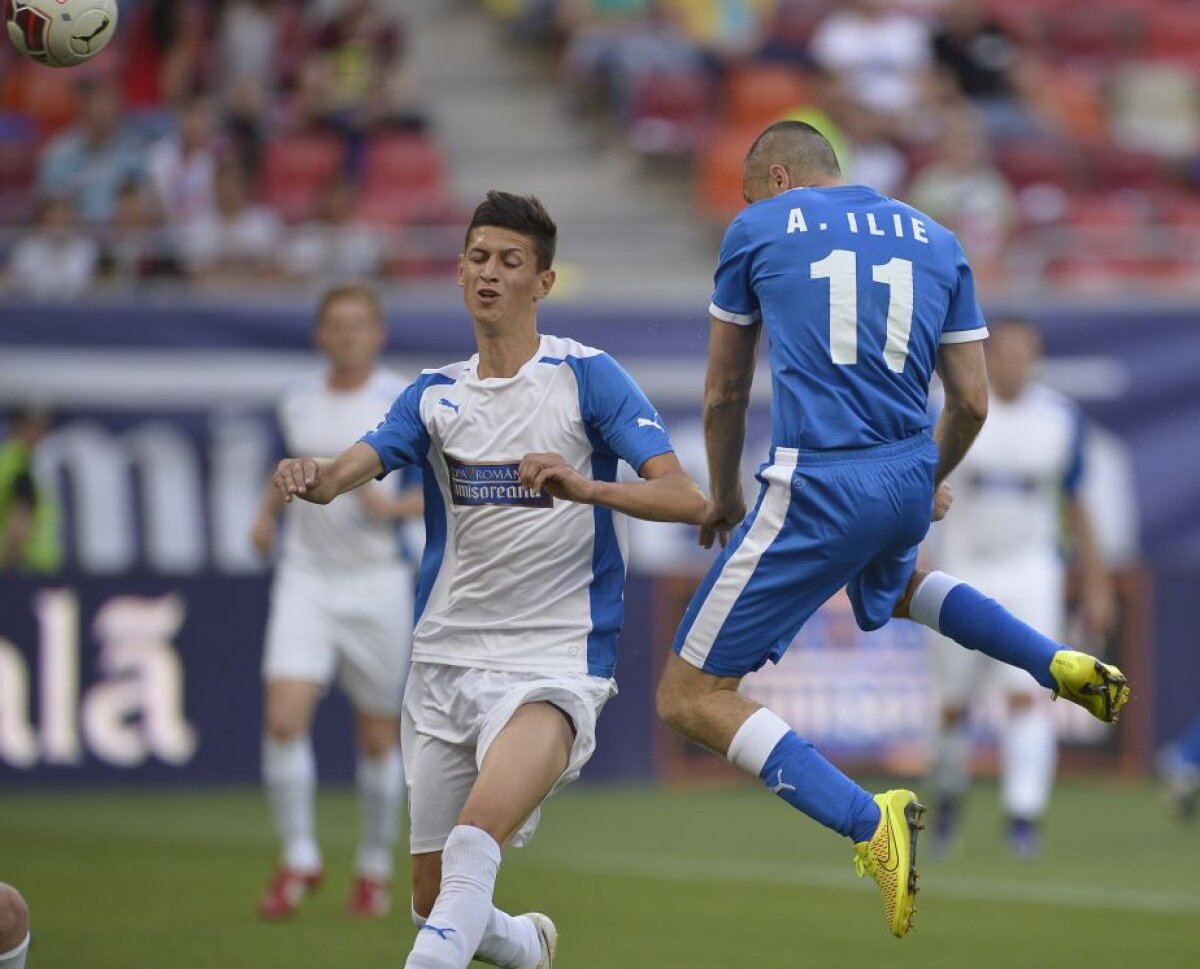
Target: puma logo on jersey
[
  {"x": 779, "y": 786},
  {"x": 646, "y": 422},
  {"x": 449, "y": 403},
  {"x": 441, "y": 933}
]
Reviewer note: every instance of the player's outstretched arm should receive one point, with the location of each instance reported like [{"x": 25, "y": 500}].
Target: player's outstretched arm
[
  {"x": 964, "y": 377},
  {"x": 320, "y": 480},
  {"x": 665, "y": 493}
]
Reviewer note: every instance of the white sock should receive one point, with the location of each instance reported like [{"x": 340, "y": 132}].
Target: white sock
[
  {"x": 1028, "y": 751},
  {"x": 15, "y": 958},
  {"x": 290, "y": 776},
  {"x": 755, "y": 739},
  {"x": 380, "y": 796},
  {"x": 951, "y": 775},
  {"x": 926, "y": 604},
  {"x": 511, "y": 942},
  {"x": 452, "y": 933}
]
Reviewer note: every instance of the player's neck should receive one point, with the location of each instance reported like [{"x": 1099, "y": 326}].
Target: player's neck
[
  {"x": 503, "y": 354},
  {"x": 348, "y": 379}
]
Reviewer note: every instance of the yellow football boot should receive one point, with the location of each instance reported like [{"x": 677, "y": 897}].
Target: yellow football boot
[
  {"x": 890, "y": 857},
  {"x": 1097, "y": 687}
]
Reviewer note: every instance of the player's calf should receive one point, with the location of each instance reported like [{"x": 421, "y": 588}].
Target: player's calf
[{"x": 14, "y": 928}]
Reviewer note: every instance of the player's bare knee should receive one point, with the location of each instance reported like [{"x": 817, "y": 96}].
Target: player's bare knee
[
  {"x": 904, "y": 605},
  {"x": 284, "y": 726},
  {"x": 14, "y": 918},
  {"x": 377, "y": 737}
]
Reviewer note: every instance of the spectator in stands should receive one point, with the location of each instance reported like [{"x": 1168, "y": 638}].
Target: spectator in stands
[
  {"x": 358, "y": 78},
  {"x": 95, "y": 157},
  {"x": 182, "y": 167},
  {"x": 882, "y": 56},
  {"x": 985, "y": 62},
  {"x": 238, "y": 240},
  {"x": 137, "y": 245},
  {"x": 30, "y": 538},
  {"x": 259, "y": 44},
  {"x": 166, "y": 43},
  {"x": 56, "y": 260},
  {"x": 336, "y": 244},
  {"x": 963, "y": 190},
  {"x": 660, "y": 46}
]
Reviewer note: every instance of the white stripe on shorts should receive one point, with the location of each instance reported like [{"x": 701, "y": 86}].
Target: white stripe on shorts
[{"x": 741, "y": 564}]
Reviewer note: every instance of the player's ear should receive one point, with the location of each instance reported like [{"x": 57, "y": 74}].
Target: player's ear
[
  {"x": 462, "y": 257},
  {"x": 545, "y": 283},
  {"x": 780, "y": 178}
]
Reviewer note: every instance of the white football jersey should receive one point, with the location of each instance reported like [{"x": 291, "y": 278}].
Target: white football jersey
[
  {"x": 340, "y": 536},
  {"x": 511, "y": 579},
  {"x": 1008, "y": 490}
]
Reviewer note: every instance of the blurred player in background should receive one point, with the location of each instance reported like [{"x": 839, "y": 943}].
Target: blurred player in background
[
  {"x": 861, "y": 297},
  {"x": 1179, "y": 766},
  {"x": 341, "y": 605},
  {"x": 14, "y": 928},
  {"x": 1012, "y": 491},
  {"x": 519, "y": 602},
  {"x": 30, "y": 537}
]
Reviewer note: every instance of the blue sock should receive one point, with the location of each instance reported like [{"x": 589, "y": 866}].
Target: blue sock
[
  {"x": 973, "y": 620},
  {"x": 1189, "y": 745},
  {"x": 808, "y": 782}
]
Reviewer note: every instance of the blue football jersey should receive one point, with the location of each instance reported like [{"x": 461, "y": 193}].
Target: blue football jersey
[{"x": 856, "y": 292}]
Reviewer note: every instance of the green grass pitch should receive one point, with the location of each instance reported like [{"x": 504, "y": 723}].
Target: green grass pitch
[{"x": 634, "y": 878}]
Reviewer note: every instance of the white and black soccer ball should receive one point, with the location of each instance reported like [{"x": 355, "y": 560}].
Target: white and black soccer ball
[{"x": 60, "y": 33}]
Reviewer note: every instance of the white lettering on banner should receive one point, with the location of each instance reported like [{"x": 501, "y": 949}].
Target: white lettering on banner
[
  {"x": 58, "y": 664},
  {"x": 18, "y": 742},
  {"x": 146, "y": 485},
  {"x": 134, "y": 713}
]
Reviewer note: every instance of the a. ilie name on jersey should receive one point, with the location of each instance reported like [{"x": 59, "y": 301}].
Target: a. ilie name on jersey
[{"x": 492, "y": 484}]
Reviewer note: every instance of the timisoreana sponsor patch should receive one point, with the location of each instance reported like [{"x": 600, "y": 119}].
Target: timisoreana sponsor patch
[{"x": 492, "y": 484}]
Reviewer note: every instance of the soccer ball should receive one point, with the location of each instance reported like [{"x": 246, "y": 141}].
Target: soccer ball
[{"x": 60, "y": 33}]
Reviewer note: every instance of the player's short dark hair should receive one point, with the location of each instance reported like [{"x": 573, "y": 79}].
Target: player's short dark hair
[
  {"x": 361, "y": 291},
  {"x": 796, "y": 145},
  {"x": 520, "y": 213}
]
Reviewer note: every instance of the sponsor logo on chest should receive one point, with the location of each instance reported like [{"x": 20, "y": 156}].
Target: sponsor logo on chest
[{"x": 492, "y": 484}]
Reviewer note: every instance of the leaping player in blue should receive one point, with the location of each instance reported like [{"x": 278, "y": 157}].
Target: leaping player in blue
[
  {"x": 519, "y": 598},
  {"x": 861, "y": 297}
]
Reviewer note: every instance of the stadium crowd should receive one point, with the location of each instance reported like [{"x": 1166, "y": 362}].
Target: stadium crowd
[{"x": 286, "y": 139}]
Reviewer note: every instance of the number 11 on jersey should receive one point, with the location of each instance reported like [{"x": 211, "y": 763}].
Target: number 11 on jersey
[{"x": 840, "y": 267}]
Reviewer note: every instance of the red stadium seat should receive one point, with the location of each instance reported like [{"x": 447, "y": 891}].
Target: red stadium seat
[
  {"x": 296, "y": 168},
  {"x": 1173, "y": 33},
  {"x": 1033, "y": 163},
  {"x": 670, "y": 113},
  {"x": 404, "y": 180},
  {"x": 1115, "y": 168},
  {"x": 719, "y": 171},
  {"x": 758, "y": 94},
  {"x": 18, "y": 172}
]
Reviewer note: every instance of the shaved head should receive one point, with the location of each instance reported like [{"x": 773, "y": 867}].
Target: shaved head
[{"x": 797, "y": 148}]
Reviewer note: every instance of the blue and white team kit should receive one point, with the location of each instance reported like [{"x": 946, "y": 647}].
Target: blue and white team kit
[
  {"x": 519, "y": 596},
  {"x": 857, "y": 292}
]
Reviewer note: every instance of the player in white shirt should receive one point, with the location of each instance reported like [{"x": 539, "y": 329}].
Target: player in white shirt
[
  {"x": 519, "y": 600},
  {"x": 341, "y": 605},
  {"x": 1010, "y": 494}
]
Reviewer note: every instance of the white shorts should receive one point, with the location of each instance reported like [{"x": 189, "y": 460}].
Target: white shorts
[
  {"x": 1033, "y": 591},
  {"x": 357, "y": 625},
  {"x": 451, "y": 716}
]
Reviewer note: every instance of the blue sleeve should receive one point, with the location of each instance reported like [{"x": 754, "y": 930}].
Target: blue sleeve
[
  {"x": 963, "y": 314},
  {"x": 734, "y": 300},
  {"x": 401, "y": 438},
  {"x": 1075, "y": 464},
  {"x": 620, "y": 420}
]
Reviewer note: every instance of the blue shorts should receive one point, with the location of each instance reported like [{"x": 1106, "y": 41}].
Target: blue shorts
[{"x": 824, "y": 520}]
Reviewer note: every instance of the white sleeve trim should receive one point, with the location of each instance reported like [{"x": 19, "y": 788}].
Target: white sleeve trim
[
  {"x": 965, "y": 336},
  {"x": 739, "y": 319}
]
